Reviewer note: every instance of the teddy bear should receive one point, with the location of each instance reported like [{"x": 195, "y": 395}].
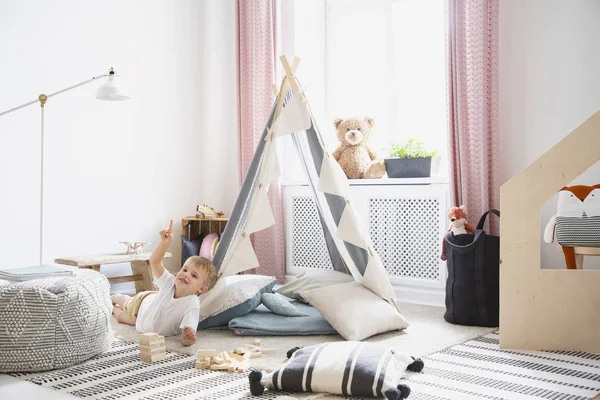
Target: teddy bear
[
  {"x": 458, "y": 225},
  {"x": 354, "y": 155}
]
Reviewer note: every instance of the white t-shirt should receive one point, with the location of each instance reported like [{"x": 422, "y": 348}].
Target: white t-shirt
[{"x": 161, "y": 313}]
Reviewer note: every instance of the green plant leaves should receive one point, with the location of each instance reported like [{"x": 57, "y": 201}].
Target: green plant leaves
[{"x": 410, "y": 149}]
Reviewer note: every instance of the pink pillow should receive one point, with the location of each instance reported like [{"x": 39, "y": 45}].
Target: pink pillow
[{"x": 209, "y": 245}]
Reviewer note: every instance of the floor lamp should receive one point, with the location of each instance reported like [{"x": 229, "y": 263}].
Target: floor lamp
[{"x": 109, "y": 91}]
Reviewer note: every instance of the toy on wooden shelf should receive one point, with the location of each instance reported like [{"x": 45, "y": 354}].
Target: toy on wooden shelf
[
  {"x": 152, "y": 347},
  {"x": 577, "y": 223},
  {"x": 206, "y": 211},
  {"x": 134, "y": 247},
  {"x": 458, "y": 225},
  {"x": 237, "y": 360}
]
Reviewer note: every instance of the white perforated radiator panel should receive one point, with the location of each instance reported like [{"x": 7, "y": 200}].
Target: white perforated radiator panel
[
  {"x": 309, "y": 247},
  {"x": 405, "y": 234}
]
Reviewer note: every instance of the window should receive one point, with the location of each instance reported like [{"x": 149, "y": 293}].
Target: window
[{"x": 379, "y": 58}]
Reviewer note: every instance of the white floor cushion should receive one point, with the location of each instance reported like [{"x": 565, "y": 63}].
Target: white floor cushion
[
  {"x": 354, "y": 311},
  {"x": 54, "y": 323}
]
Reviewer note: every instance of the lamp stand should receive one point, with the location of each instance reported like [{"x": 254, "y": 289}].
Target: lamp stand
[
  {"x": 42, "y": 99},
  {"x": 111, "y": 94}
]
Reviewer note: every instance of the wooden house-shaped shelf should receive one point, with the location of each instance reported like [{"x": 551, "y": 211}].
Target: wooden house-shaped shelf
[{"x": 546, "y": 309}]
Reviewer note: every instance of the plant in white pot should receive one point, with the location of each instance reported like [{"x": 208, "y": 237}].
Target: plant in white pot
[{"x": 409, "y": 160}]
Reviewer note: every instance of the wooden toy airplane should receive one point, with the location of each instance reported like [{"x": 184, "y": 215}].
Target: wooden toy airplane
[
  {"x": 206, "y": 211},
  {"x": 134, "y": 247}
]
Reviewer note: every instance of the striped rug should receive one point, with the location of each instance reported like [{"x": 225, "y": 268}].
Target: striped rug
[
  {"x": 476, "y": 369},
  {"x": 118, "y": 373}
]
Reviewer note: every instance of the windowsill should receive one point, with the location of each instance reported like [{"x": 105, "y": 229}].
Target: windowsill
[{"x": 435, "y": 180}]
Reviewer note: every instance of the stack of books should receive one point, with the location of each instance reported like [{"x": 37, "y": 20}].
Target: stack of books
[{"x": 36, "y": 272}]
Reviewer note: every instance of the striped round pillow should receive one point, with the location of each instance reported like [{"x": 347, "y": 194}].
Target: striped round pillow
[{"x": 346, "y": 368}]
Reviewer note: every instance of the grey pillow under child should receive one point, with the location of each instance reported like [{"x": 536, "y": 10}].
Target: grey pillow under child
[
  {"x": 243, "y": 295},
  {"x": 278, "y": 304}
]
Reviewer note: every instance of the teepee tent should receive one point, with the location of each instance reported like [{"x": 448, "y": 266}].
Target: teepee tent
[{"x": 349, "y": 245}]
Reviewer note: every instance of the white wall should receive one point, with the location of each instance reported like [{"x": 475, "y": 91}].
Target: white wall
[
  {"x": 114, "y": 171},
  {"x": 549, "y": 84}
]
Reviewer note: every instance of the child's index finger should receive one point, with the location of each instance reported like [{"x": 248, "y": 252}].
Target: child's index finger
[{"x": 171, "y": 225}]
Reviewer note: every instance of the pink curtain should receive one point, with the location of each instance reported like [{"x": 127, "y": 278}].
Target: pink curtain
[
  {"x": 474, "y": 147},
  {"x": 256, "y": 73}
]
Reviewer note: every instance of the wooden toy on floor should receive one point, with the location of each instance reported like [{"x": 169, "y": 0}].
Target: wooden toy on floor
[
  {"x": 152, "y": 347},
  {"x": 236, "y": 360}
]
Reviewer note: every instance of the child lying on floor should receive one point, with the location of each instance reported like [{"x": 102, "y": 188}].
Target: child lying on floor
[{"x": 174, "y": 309}]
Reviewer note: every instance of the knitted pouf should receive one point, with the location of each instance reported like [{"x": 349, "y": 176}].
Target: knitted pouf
[{"x": 54, "y": 323}]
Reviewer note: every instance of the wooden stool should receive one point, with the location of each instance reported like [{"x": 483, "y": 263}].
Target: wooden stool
[{"x": 584, "y": 251}]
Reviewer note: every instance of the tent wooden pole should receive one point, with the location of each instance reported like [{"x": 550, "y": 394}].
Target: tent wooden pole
[{"x": 290, "y": 73}]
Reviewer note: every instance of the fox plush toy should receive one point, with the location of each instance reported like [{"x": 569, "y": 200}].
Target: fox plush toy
[{"x": 458, "y": 225}]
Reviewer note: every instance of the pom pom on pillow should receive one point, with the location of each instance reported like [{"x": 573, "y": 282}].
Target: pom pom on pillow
[{"x": 278, "y": 304}]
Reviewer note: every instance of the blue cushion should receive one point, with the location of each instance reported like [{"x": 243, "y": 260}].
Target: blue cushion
[
  {"x": 263, "y": 322},
  {"x": 243, "y": 295},
  {"x": 190, "y": 247},
  {"x": 278, "y": 304}
]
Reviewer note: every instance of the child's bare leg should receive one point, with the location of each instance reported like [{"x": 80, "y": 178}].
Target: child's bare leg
[
  {"x": 120, "y": 299},
  {"x": 123, "y": 317}
]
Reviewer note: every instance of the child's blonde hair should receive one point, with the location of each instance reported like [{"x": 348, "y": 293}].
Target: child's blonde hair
[{"x": 206, "y": 266}]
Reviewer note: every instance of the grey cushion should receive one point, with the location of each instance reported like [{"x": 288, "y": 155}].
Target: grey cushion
[
  {"x": 243, "y": 295},
  {"x": 54, "y": 323},
  {"x": 280, "y": 305},
  {"x": 312, "y": 280},
  {"x": 190, "y": 247}
]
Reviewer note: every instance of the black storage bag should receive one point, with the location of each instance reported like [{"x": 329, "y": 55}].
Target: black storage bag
[{"x": 472, "y": 288}]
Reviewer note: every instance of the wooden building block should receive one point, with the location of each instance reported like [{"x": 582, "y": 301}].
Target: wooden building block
[
  {"x": 152, "y": 350},
  {"x": 146, "y": 338},
  {"x": 152, "y": 358},
  {"x": 257, "y": 342},
  {"x": 206, "y": 353},
  {"x": 219, "y": 367},
  {"x": 267, "y": 350}
]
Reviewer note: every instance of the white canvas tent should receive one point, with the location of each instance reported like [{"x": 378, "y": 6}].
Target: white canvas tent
[{"x": 348, "y": 242}]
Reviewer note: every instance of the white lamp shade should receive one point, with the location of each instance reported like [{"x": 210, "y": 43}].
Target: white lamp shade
[{"x": 111, "y": 90}]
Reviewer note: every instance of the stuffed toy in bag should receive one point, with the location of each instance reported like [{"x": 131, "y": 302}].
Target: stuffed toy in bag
[
  {"x": 458, "y": 225},
  {"x": 577, "y": 220},
  {"x": 347, "y": 368},
  {"x": 355, "y": 156}
]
